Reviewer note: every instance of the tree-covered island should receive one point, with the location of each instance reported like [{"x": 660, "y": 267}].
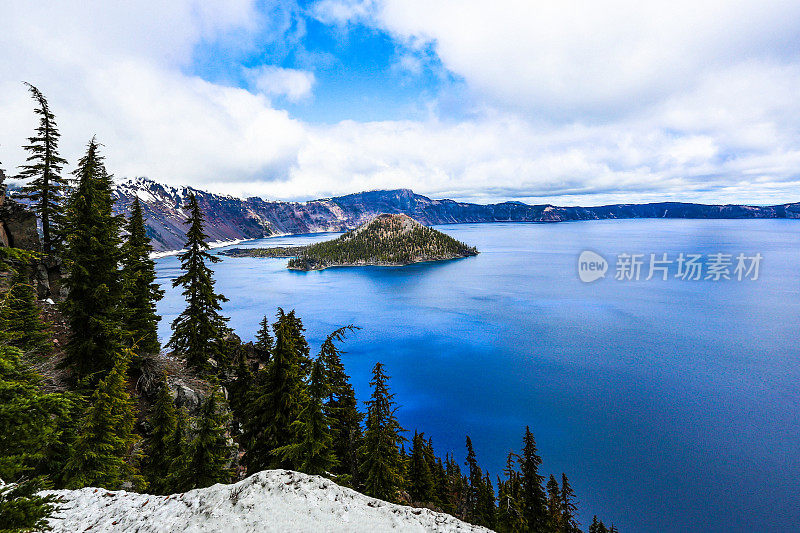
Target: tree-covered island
[{"x": 386, "y": 240}]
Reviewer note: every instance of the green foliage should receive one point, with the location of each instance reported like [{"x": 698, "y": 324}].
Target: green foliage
[
  {"x": 534, "y": 501},
  {"x": 381, "y": 467},
  {"x": 159, "y": 458},
  {"x": 43, "y": 168},
  {"x": 342, "y": 410},
  {"x": 420, "y": 478},
  {"x": 140, "y": 290},
  {"x": 33, "y": 423},
  {"x": 276, "y": 399},
  {"x": 22, "y": 509},
  {"x": 597, "y": 526},
  {"x": 91, "y": 306},
  {"x": 264, "y": 342},
  {"x": 509, "y": 505},
  {"x": 569, "y": 522},
  {"x": 206, "y": 458},
  {"x": 104, "y": 451},
  {"x": 387, "y": 240},
  {"x": 174, "y": 479},
  {"x": 21, "y": 320},
  {"x": 198, "y": 332},
  {"x": 311, "y": 452}
]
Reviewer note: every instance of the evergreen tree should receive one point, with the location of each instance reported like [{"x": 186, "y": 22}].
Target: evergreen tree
[
  {"x": 198, "y": 332},
  {"x": 509, "y": 509},
  {"x": 141, "y": 292},
  {"x": 440, "y": 486},
  {"x": 23, "y": 510},
  {"x": 275, "y": 401},
  {"x": 239, "y": 389},
  {"x": 264, "y": 342},
  {"x": 43, "y": 168},
  {"x": 342, "y": 409},
  {"x": 554, "y": 510},
  {"x": 206, "y": 459},
  {"x": 381, "y": 465},
  {"x": 174, "y": 480},
  {"x": 91, "y": 305},
  {"x": 311, "y": 452},
  {"x": 569, "y": 521},
  {"x": 597, "y": 526},
  {"x": 32, "y": 422},
  {"x": 486, "y": 503},
  {"x": 104, "y": 452},
  {"x": 420, "y": 486},
  {"x": 474, "y": 477},
  {"x": 162, "y": 424},
  {"x": 534, "y": 501},
  {"x": 456, "y": 487},
  {"x": 21, "y": 318}
]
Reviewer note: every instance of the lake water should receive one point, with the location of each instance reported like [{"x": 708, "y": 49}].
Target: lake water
[{"x": 671, "y": 405}]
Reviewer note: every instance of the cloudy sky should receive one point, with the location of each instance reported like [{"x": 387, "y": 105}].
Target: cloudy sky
[{"x": 564, "y": 102}]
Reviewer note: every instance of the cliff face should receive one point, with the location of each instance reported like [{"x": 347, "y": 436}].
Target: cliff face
[{"x": 230, "y": 218}]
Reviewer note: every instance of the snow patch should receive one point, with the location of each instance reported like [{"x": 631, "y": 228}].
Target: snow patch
[
  {"x": 214, "y": 244},
  {"x": 269, "y": 501}
]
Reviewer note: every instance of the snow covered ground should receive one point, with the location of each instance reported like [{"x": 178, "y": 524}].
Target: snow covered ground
[{"x": 269, "y": 501}]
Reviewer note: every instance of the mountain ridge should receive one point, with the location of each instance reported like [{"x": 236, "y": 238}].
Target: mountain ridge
[{"x": 229, "y": 218}]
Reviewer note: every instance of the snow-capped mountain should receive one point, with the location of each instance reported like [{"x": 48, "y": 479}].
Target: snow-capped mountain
[
  {"x": 269, "y": 501},
  {"x": 229, "y": 218}
]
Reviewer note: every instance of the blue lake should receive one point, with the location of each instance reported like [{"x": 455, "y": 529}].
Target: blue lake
[{"x": 671, "y": 405}]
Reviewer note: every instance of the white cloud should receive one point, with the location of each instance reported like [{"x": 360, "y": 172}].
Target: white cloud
[
  {"x": 276, "y": 81},
  {"x": 578, "y": 106},
  {"x": 573, "y": 59}
]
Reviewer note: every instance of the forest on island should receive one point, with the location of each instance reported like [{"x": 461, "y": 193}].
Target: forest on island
[
  {"x": 73, "y": 408},
  {"x": 385, "y": 240}
]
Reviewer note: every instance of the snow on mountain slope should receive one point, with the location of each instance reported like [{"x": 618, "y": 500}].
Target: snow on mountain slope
[{"x": 269, "y": 501}]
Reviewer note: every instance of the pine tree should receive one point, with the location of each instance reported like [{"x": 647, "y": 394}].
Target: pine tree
[
  {"x": 141, "y": 292},
  {"x": 264, "y": 342},
  {"x": 207, "y": 457},
  {"x": 91, "y": 305},
  {"x": 342, "y": 409},
  {"x": 32, "y": 421},
  {"x": 104, "y": 452},
  {"x": 486, "y": 502},
  {"x": 311, "y": 452},
  {"x": 381, "y": 465},
  {"x": 597, "y": 526},
  {"x": 21, "y": 320},
  {"x": 275, "y": 401},
  {"x": 456, "y": 487},
  {"x": 43, "y": 168},
  {"x": 509, "y": 509},
  {"x": 420, "y": 478},
  {"x": 162, "y": 424},
  {"x": 554, "y": 510},
  {"x": 174, "y": 480},
  {"x": 534, "y": 508},
  {"x": 475, "y": 477},
  {"x": 23, "y": 510},
  {"x": 568, "y": 508},
  {"x": 239, "y": 389},
  {"x": 198, "y": 332}
]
